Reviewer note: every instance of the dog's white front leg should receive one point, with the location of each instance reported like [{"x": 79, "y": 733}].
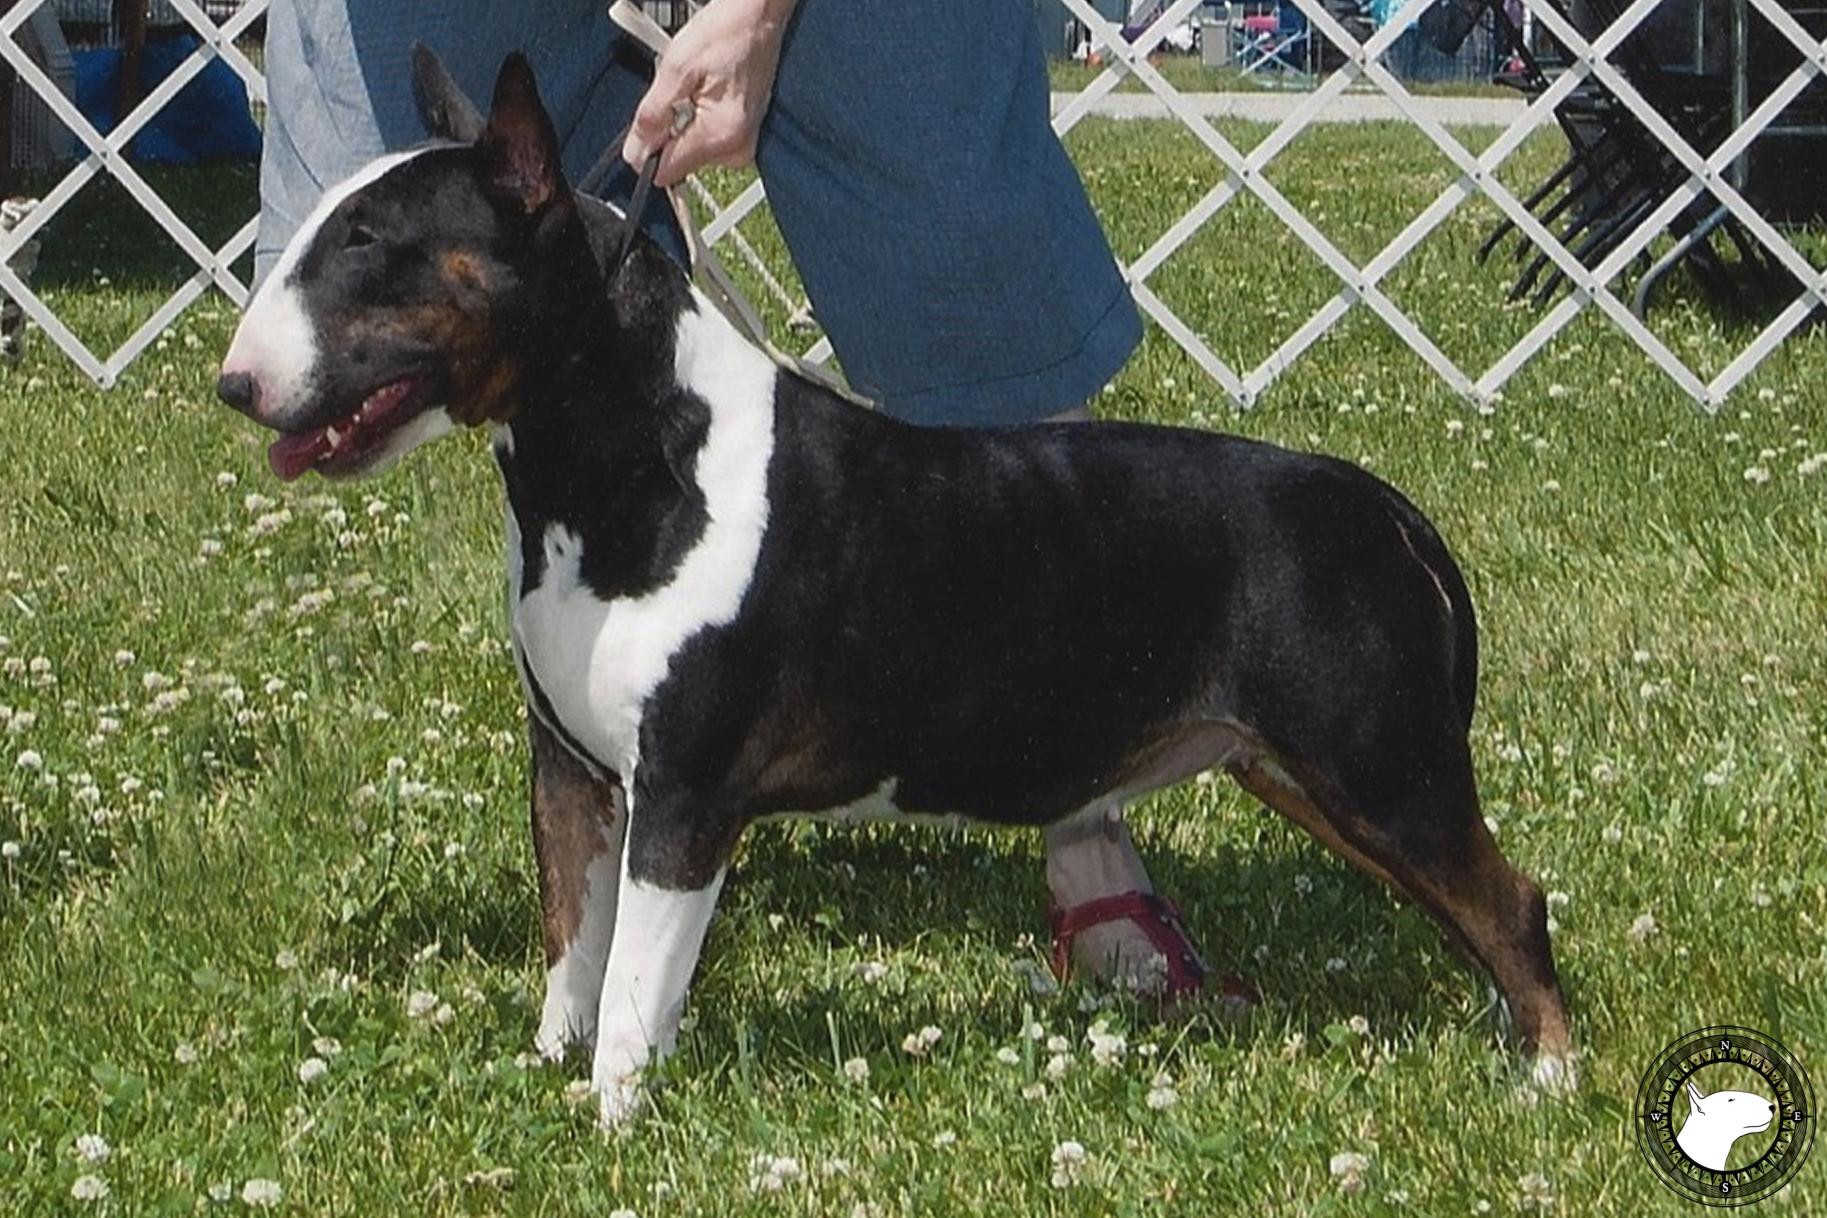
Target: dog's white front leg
[{"x": 658, "y": 934}]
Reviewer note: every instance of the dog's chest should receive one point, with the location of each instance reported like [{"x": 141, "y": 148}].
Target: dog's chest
[{"x": 592, "y": 663}]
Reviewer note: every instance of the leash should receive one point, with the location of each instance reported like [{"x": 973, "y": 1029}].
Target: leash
[
  {"x": 682, "y": 114},
  {"x": 702, "y": 263},
  {"x": 647, "y": 33}
]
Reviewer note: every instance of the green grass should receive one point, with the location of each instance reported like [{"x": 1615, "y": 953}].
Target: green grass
[{"x": 213, "y": 882}]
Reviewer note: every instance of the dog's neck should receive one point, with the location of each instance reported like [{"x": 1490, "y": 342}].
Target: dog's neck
[{"x": 606, "y": 438}]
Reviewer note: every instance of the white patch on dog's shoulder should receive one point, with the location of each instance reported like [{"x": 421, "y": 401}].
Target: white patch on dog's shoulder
[
  {"x": 276, "y": 343},
  {"x": 599, "y": 661}
]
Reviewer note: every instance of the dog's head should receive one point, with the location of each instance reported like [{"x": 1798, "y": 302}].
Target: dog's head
[
  {"x": 421, "y": 293},
  {"x": 1730, "y": 1112}
]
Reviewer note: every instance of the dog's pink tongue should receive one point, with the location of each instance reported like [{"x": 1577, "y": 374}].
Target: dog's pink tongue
[{"x": 290, "y": 456}]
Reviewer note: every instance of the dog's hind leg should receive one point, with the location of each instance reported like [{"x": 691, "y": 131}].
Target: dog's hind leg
[
  {"x": 577, "y": 839},
  {"x": 1412, "y": 820}
]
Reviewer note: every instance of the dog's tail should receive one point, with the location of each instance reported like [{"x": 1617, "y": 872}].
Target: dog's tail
[{"x": 1431, "y": 550}]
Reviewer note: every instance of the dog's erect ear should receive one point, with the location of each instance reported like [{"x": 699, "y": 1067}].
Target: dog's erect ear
[
  {"x": 1694, "y": 1097},
  {"x": 448, "y": 114},
  {"x": 519, "y": 141}
]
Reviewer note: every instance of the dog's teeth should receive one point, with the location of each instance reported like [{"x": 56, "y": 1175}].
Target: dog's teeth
[{"x": 330, "y": 434}]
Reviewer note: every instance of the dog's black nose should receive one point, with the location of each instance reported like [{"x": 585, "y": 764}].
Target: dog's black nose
[{"x": 237, "y": 389}]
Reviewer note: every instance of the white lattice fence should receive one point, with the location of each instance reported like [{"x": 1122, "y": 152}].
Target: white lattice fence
[
  {"x": 1476, "y": 175},
  {"x": 1359, "y": 285},
  {"x": 107, "y": 155}
]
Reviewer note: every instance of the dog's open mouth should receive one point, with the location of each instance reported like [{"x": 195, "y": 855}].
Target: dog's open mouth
[{"x": 345, "y": 445}]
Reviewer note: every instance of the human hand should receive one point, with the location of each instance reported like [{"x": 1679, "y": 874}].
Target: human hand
[{"x": 723, "y": 63}]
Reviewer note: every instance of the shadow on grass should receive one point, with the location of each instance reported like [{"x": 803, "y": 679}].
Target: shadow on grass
[
  {"x": 968, "y": 896},
  {"x": 104, "y": 230}
]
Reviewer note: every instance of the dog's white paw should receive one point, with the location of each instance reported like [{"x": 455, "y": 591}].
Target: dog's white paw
[
  {"x": 563, "y": 1027},
  {"x": 618, "y": 1100},
  {"x": 1555, "y": 1074}
]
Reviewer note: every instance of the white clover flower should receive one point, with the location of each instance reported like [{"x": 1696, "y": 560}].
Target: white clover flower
[
  {"x": 1008, "y": 1056},
  {"x": 919, "y": 1044},
  {"x": 256, "y": 503},
  {"x": 1056, "y": 1067},
  {"x": 772, "y": 1173},
  {"x": 1359, "y": 1025},
  {"x": 225, "y": 479},
  {"x": 944, "y": 1140},
  {"x": 1107, "y": 1047},
  {"x": 1058, "y": 1044},
  {"x": 185, "y": 1054},
  {"x": 1611, "y": 835},
  {"x": 89, "y": 1188},
  {"x": 420, "y": 1003},
  {"x": 1642, "y": 928},
  {"x": 1535, "y": 1191},
  {"x": 1756, "y": 475},
  {"x": 29, "y": 759},
  {"x": 1303, "y": 884},
  {"x": 311, "y": 1069},
  {"x": 285, "y": 959},
  {"x": 261, "y": 1194},
  {"x": 1348, "y": 1168},
  {"x": 1032, "y": 1030},
  {"x": 857, "y": 1070},
  {"x": 1161, "y": 1094},
  {"x": 1336, "y": 964},
  {"x": 93, "y": 1148},
  {"x": 869, "y": 971},
  {"x": 1068, "y": 1161}
]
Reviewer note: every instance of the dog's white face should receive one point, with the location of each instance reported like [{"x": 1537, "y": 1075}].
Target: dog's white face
[
  {"x": 1733, "y": 1112},
  {"x": 317, "y": 358},
  {"x": 404, "y": 306}
]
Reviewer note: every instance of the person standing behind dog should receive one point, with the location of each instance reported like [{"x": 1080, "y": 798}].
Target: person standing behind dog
[{"x": 942, "y": 233}]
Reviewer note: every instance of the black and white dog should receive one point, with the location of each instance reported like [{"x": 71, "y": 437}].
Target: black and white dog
[{"x": 735, "y": 595}]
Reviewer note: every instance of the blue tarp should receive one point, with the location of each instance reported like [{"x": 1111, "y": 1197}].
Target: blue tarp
[{"x": 208, "y": 120}]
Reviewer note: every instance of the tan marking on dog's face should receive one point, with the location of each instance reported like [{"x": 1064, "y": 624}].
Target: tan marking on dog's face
[
  {"x": 573, "y": 823},
  {"x": 480, "y": 380},
  {"x": 462, "y": 270}
]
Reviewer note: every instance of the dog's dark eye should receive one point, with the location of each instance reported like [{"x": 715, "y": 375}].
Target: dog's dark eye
[{"x": 358, "y": 237}]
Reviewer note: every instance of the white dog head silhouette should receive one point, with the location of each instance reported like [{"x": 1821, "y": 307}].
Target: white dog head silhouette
[{"x": 1716, "y": 1121}]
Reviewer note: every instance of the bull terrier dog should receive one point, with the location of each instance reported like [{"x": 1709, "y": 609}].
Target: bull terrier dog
[{"x": 736, "y": 595}]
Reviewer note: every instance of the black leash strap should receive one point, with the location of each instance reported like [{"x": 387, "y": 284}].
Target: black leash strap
[{"x": 637, "y": 202}]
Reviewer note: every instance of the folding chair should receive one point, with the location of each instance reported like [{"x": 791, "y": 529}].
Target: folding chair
[{"x": 1280, "y": 41}]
